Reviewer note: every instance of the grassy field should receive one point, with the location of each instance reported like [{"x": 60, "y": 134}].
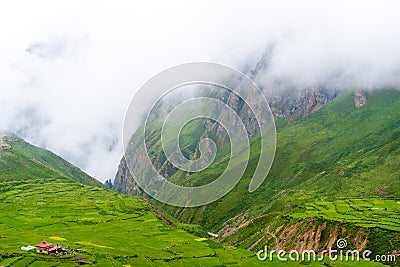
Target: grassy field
[{"x": 110, "y": 228}]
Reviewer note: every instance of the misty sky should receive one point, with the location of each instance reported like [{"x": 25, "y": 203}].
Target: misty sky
[{"x": 68, "y": 69}]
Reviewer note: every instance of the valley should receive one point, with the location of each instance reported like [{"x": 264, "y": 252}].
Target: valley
[{"x": 44, "y": 198}]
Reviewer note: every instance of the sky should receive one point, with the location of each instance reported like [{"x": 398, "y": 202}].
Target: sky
[{"x": 69, "y": 69}]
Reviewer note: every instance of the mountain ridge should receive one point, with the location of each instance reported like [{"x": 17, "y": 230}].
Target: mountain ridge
[{"x": 21, "y": 160}]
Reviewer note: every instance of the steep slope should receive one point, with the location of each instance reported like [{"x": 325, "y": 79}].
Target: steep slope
[
  {"x": 24, "y": 162},
  {"x": 287, "y": 101},
  {"x": 287, "y": 105},
  {"x": 339, "y": 141}
]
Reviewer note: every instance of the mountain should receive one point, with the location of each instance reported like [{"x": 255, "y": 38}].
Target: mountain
[
  {"x": 24, "y": 162},
  {"x": 335, "y": 174},
  {"x": 287, "y": 101}
]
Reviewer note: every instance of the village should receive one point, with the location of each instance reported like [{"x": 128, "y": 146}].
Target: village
[{"x": 50, "y": 249}]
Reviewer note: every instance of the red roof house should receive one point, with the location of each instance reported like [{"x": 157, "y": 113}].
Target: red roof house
[{"x": 44, "y": 247}]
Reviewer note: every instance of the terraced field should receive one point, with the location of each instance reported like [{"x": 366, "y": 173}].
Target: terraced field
[
  {"x": 367, "y": 213},
  {"x": 111, "y": 229}
]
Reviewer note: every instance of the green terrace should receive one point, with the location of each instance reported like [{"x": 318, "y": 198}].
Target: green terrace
[
  {"x": 367, "y": 213},
  {"x": 103, "y": 228}
]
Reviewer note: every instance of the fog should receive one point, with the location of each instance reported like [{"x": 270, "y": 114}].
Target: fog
[{"x": 68, "y": 69}]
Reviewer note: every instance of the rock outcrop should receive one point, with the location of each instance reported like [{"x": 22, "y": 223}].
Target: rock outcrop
[
  {"x": 3, "y": 142},
  {"x": 359, "y": 99}
]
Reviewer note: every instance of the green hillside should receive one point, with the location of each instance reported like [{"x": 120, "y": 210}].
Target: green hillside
[
  {"x": 20, "y": 161},
  {"x": 337, "y": 153}
]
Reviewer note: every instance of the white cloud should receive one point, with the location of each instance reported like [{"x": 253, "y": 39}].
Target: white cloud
[{"x": 70, "y": 94}]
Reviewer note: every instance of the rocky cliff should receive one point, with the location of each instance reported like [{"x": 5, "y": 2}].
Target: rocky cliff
[{"x": 124, "y": 182}]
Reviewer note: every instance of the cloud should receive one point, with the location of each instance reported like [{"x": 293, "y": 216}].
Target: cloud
[{"x": 69, "y": 68}]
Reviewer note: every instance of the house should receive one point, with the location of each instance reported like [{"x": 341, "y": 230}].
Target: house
[
  {"x": 56, "y": 249},
  {"x": 48, "y": 248},
  {"x": 212, "y": 235},
  {"x": 43, "y": 247}
]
